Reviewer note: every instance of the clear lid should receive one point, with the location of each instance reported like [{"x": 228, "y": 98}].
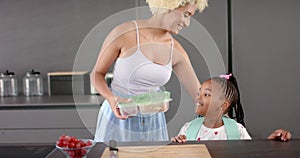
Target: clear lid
[
  {"x": 33, "y": 73},
  {"x": 148, "y": 99},
  {"x": 8, "y": 74},
  {"x": 152, "y": 98}
]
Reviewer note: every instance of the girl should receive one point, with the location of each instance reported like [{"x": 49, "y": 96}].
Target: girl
[
  {"x": 218, "y": 102},
  {"x": 219, "y": 99}
]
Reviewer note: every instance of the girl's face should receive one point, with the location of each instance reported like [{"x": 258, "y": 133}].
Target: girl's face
[
  {"x": 210, "y": 100},
  {"x": 180, "y": 17}
]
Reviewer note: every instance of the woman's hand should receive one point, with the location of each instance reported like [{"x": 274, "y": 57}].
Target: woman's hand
[
  {"x": 280, "y": 134},
  {"x": 179, "y": 139},
  {"x": 116, "y": 109}
]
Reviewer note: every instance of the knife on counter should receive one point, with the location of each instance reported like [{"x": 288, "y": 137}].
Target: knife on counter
[{"x": 113, "y": 150}]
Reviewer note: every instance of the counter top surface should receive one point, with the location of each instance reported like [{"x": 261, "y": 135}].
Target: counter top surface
[
  {"x": 50, "y": 101},
  {"x": 232, "y": 149}
]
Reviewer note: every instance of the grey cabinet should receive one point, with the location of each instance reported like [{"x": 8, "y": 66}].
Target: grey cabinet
[{"x": 45, "y": 121}]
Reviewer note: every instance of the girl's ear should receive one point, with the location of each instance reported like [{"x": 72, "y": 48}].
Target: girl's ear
[{"x": 225, "y": 105}]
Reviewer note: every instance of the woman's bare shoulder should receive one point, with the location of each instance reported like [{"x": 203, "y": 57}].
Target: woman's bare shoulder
[
  {"x": 119, "y": 34},
  {"x": 179, "y": 51},
  {"x": 123, "y": 29}
]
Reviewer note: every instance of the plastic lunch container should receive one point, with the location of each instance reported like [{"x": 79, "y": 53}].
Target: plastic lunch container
[{"x": 149, "y": 103}]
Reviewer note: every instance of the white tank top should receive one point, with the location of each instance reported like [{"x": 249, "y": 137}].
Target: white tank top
[{"x": 136, "y": 74}]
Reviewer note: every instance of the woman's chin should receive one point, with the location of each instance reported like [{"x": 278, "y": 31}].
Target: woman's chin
[{"x": 175, "y": 31}]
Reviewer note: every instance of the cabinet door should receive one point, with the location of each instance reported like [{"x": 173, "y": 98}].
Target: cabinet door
[{"x": 46, "y": 125}]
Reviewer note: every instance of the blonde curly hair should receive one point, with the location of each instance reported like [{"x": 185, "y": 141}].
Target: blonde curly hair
[{"x": 163, "y": 6}]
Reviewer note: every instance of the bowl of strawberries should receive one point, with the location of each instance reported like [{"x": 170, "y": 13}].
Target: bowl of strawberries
[{"x": 73, "y": 147}]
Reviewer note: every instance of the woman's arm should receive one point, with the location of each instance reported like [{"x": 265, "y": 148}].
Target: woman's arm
[
  {"x": 110, "y": 51},
  {"x": 184, "y": 70}
]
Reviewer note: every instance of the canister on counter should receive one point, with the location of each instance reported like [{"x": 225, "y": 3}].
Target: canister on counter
[
  {"x": 8, "y": 84},
  {"x": 33, "y": 84}
]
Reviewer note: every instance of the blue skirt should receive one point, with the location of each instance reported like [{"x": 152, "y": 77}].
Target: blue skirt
[{"x": 137, "y": 128}]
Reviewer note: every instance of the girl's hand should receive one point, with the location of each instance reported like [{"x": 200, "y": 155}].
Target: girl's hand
[
  {"x": 179, "y": 139},
  {"x": 116, "y": 109},
  {"x": 280, "y": 134}
]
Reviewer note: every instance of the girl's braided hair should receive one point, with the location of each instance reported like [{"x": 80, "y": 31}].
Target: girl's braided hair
[{"x": 232, "y": 93}]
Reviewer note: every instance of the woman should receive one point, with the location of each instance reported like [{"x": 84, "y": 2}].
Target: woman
[{"x": 145, "y": 54}]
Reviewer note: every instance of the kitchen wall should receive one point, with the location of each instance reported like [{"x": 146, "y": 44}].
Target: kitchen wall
[
  {"x": 60, "y": 35},
  {"x": 46, "y": 34},
  {"x": 266, "y": 59}
]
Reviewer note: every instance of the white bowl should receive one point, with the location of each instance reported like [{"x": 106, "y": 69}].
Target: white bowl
[{"x": 77, "y": 152}]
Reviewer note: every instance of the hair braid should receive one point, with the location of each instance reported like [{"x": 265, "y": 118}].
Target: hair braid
[{"x": 232, "y": 93}]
